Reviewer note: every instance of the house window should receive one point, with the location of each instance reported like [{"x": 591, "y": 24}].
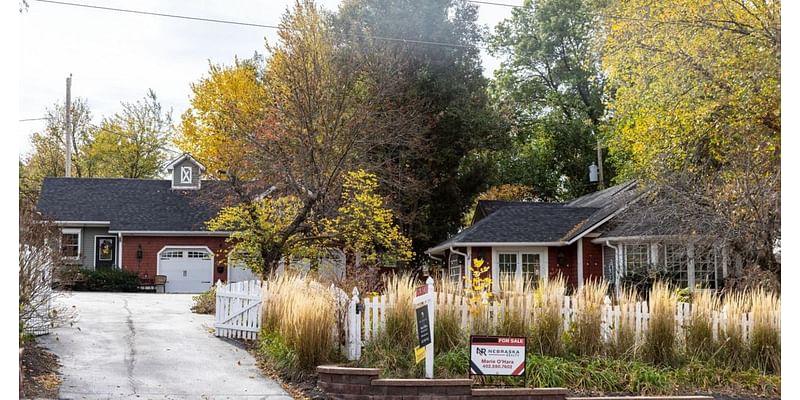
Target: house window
[
  {"x": 171, "y": 254},
  {"x": 70, "y": 243},
  {"x": 186, "y": 174},
  {"x": 198, "y": 254},
  {"x": 637, "y": 257},
  {"x": 676, "y": 263},
  {"x": 455, "y": 268},
  {"x": 508, "y": 267},
  {"x": 531, "y": 267},
  {"x": 705, "y": 269}
]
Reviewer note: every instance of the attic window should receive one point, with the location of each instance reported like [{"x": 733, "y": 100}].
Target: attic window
[{"x": 186, "y": 175}]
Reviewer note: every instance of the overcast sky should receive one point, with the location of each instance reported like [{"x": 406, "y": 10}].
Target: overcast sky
[{"x": 115, "y": 57}]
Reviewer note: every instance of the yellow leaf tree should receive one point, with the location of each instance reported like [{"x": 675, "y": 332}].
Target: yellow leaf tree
[
  {"x": 226, "y": 105},
  {"x": 363, "y": 224},
  {"x": 696, "y": 111}
]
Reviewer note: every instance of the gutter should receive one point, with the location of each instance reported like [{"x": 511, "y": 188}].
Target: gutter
[{"x": 452, "y": 250}]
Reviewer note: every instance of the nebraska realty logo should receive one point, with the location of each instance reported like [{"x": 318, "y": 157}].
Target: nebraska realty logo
[{"x": 497, "y": 355}]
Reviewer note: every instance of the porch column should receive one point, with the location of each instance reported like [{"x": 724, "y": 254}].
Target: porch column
[{"x": 580, "y": 263}]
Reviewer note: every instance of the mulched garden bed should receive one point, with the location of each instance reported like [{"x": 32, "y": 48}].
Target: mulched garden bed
[
  {"x": 303, "y": 387},
  {"x": 40, "y": 370}
]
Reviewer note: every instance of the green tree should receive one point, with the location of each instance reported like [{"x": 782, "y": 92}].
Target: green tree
[
  {"x": 47, "y": 157},
  {"x": 551, "y": 87},
  {"x": 431, "y": 177},
  {"x": 321, "y": 117},
  {"x": 132, "y": 143}
]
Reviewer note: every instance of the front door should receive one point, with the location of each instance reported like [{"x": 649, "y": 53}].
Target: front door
[{"x": 105, "y": 252}]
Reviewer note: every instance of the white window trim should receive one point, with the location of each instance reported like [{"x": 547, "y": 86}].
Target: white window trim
[
  {"x": 496, "y": 251},
  {"x": 68, "y": 231},
  {"x": 186, "y": 172}
]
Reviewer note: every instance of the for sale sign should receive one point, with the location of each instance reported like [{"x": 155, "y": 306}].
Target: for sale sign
[{"x": 497, "y": 355}]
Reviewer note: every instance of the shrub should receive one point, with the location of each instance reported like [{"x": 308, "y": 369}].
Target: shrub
[
  {"x": 281, "y": 357},
  {"x": 205, "y": 303},
  {"x": 548, "y": 326},
  {"x": 453, "y": 363},
  {"x": 394, "y": 359},
  {"x": 659, "y": 342},
  {"x": 587, "y": 338},
  {"x": 108, "y": 280}
]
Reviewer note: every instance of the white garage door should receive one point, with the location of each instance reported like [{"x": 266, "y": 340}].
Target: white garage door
[{"x": 187, "y": 270}]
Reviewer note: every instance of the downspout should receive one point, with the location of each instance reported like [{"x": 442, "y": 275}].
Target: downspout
[
  {"x": 439, "y": 259},
  {"x": 466, "y": 258}
]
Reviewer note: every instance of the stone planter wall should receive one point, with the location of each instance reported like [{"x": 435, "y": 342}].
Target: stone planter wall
[{"x": 343, "y": 383}]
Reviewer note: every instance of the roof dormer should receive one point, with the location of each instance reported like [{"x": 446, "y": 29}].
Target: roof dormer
[{"x": 185, "y": 172}]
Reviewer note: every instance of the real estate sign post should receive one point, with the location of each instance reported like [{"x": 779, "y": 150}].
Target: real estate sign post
[
  {"x": 497, "y": 355},
  {"x": 425, "y": 306}
]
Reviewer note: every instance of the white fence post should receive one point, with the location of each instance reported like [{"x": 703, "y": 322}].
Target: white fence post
[{"x": 354, "y": 327}]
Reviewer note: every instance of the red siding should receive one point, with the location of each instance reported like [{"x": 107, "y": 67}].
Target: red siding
[
  {"x": 592, "y": 260},
  {"x": 486, "y": 254},
  {"x": 151, "y": 245},
  {"x": 569, "y": 266}
]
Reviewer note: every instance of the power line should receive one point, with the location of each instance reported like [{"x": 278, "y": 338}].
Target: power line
[
  {"x": 490, "y": 3},
  {"x": 251, "y": 24},
  {"x": 32, "y": 119}
]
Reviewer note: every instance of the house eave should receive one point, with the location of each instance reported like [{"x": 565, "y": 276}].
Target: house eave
[
  {"x": 440, "y": 249},
  {"x": 640, "y": 238},
  {"x": 171, "y": 233},
  {"x": 82, "y": 223}
]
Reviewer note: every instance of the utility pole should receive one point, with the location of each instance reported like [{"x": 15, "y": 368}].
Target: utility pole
[{"x": 68, "y": 161}]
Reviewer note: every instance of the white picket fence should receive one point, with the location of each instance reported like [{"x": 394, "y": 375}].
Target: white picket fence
[
  {"x": 238, "y": 313},
  {"x": 612, "y": 316},
  {"x": 361, "y": 319}
]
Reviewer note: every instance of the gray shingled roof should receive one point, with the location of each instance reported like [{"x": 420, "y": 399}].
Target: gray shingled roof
[
  {"x": 133, "y": 204},
  {"x": 531, "y": 222},
  {"x": 523, "y": 222}
]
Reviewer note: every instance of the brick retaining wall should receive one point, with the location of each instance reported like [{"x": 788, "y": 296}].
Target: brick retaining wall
[{"x": 343, "y": 383}]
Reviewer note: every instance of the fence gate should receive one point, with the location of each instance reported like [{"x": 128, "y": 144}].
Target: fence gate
[{"x": 238, "y": 313}]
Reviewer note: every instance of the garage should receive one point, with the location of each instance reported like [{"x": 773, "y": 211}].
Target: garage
[{"x": 188, "y": 269}]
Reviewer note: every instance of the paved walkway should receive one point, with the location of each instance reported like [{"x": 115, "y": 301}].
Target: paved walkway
[{"x": 150, "y": 346}]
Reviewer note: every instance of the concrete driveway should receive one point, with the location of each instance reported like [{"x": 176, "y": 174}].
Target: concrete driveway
[{"x": 150, "y": 346}]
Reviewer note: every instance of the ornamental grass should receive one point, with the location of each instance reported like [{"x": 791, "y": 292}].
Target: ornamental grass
[
  {"x": 512, "y": 300},
  {"x": 547, "y": 327},
  {"x": 765, "y": 337},
  {"x": 448, "y": 330},
  {"x": 699, "y": 330},
  {"x": 299, "y": 311},
  {"x": 587, "y": 338},
  {"x": 624, "y": 343},
  {"x": 660, "y": 339}
]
